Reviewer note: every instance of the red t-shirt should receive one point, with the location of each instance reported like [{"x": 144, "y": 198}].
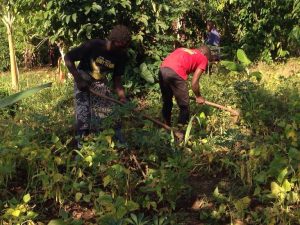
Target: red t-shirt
[{"x": 185, "y": 61}]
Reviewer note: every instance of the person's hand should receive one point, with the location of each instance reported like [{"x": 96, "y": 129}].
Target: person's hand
[
  {"x": 82, "y": 85},
  {"x": 200, "y": 100},
  {"x": 83, "y": 80}
]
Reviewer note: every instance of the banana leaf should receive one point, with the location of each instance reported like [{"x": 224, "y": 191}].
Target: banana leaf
[
  {"x": 232, "y": 66},
  {"x": 11, "y": 99},
  {"x": 242, "y": 57},
  {"x": 146, "y": 73}
]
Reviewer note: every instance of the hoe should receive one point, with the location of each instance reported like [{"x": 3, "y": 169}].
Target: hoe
[{"x": 178, "y": 134}]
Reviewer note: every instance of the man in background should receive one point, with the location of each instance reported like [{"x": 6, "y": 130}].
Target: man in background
[{"x": 213, "y": 36}]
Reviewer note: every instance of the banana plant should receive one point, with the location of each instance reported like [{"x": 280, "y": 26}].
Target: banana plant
[
  {"x": 242, "y": 65},
  {"x": 7, "y": 16},
  {"x": 11, "y": 99}
]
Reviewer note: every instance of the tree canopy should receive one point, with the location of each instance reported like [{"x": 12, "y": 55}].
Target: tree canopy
[{"x": 265, "y": 29}]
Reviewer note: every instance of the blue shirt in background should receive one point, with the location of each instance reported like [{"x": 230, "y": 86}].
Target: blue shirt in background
[{"x": 213, "y": 38}]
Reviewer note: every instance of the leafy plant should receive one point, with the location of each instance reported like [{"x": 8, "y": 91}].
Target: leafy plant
[
  {"x": 19, "y": 213},
  {"x": 9, "y": 100},
  {"x": 242, "y": 66}
]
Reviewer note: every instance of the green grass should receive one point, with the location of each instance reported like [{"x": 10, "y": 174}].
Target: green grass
[{"x": 228, "y": 173}]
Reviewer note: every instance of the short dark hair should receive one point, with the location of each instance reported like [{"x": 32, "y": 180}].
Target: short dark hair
[
  {"x": 211, "y": 23},
  {"x": 119, "y": 33},
  {"x": 205, "y": 50}
]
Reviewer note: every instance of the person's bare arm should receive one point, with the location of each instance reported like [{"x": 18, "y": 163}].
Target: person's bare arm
[
  {"x": 196, "y": 86},
  {"x": 71, "y": 57},
  {"x": 119, "y": 89}
]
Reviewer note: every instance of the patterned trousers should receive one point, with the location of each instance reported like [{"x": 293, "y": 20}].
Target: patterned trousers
[{"x": 90, "y": 109}]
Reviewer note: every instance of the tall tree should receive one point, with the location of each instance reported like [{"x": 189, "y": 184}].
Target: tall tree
[{"x": 8, "y": 17}]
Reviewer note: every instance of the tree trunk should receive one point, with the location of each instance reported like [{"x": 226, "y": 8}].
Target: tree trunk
[
  {"x": 8, "y": 20},
  {"x": 13, "y": 63}
]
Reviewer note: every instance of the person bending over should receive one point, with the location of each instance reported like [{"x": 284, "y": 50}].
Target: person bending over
[
  {"x": 97, "y": 58},
  {"x": 173, "y": 75}
]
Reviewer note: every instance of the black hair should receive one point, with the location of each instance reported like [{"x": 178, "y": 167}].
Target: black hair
[
  {"x": 205, "y": 50},
  {"x": 211, "y": 23},
  {"x": 119, "y": 33}
]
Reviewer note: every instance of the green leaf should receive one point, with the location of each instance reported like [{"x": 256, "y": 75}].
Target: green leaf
[
  {"x": 78, "y": 196},
  {"x": 218, "y": 195},
  {"x": 134, "y": 218},
  {"x": 79, "y": 153},
  {"x": 293, "y": 197},
  {"x": 68, "y": 19},
  {"x": 121, "y": 212},
  {"x": 58, "y": 177},
  {"x": 105, "y": 199},
  {"x": 9, "y": 100},
  {"x": 26, "y": 198},
  {"x": 125, "y": 4},
  {"x": 87, "y": 198},
  {"x": 111, "y": 11},
  {"x": 201, "y": 118},
  {"x": 132, "y": 206},
  {"x": 166, "y": 8},
  {"x": 261, "y": 177},
  {"x": 286, "y": 185},
  {"x": 242, "y": 57},
  {"x": 277, "y": 191},
  {"x": 89, "y": 159},
  {"x": 16, "y": 213},
  {"x": 144, "y": 19},
  {"x": 232, "y": 66},
  {"x": 294, "y": 154},
  {"x": 49, "y": 4},
  {"x": 87, "y": 10},
  {"x": 242, "y": 203},
  {"x": 275, "y": 188},
  {"x": 57, "y": 222},
  {"x": 74, "y": 17},
  {"x": 282, "y": 175},
  {"x": 146, "y": 74},
  {"x": 257, "y": 75},
  {"x": 138, "y": 37},
  {"x": 257, "y": 191},
  {"x": 106, "y": 180},
  {"x": 277, "y": 165},
  {"x": 54, "y": 138},
  {"x": 188, "y": 130},
  {"x": 32, "y": 214},
  {"x": 96, "y": 7},
  {"x": 202, "y": 115}
]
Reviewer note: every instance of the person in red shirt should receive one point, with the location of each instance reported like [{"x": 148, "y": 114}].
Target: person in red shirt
[{"x": 173, "y": 74}]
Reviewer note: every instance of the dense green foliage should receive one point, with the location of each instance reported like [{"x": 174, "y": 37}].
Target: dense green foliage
[
  {"x": 247, "y": 171},
  {"x": 269, "y": 29},
  {"x": 266, "y": 29}
]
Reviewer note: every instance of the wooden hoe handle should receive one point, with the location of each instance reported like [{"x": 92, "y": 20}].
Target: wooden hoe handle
[
  {"x": 232, "y": 111},
  {"x": 165, "y": 126}
]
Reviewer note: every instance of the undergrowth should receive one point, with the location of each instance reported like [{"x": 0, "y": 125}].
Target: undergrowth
[{"x": 222, "y": 173}]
